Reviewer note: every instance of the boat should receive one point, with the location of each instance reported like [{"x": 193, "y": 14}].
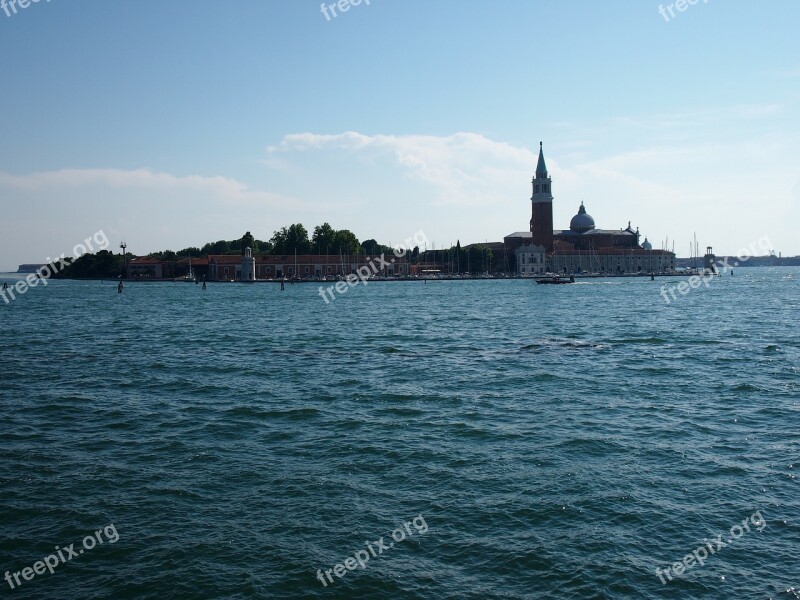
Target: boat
[
  {"x": 555, "y": 279},
  {"x": 189, "y": 278}
]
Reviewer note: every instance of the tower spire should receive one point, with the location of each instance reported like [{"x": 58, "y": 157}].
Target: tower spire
[
  {"x": 541, "y": 167},
  {"x": 542, "y": 206}
]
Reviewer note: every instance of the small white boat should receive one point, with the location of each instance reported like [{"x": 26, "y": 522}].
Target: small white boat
[{"x": 189, "y": 278}]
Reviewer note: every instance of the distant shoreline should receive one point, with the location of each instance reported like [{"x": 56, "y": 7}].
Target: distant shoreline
[
  {"x": 388, "y": 280},
  {"x": 18, "y": 275}
]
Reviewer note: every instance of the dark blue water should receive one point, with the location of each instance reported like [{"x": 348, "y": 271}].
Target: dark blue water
[{"x": 555, "y": 441}]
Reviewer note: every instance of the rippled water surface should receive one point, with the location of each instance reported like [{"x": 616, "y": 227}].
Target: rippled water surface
[{"x": 552, "y": 441}]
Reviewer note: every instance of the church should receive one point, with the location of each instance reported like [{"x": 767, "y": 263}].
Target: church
[{"x": 583, "y": 248}]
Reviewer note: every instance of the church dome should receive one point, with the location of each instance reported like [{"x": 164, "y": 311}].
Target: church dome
[
  {"x": 581, "y": 222},
  {"x": 647, "y": 245}
]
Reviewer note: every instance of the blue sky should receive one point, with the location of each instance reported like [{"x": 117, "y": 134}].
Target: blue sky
[{"x": 170, "y": 124}]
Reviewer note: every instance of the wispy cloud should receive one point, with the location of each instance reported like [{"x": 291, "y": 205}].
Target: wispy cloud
[
  {"x": 656, "y": 185},
  {"x": 51, "y": 210},
  {"x": 223, "y": 189},
  {"x": 464, "y": 168}
]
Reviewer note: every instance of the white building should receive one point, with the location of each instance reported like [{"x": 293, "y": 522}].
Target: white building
[
  {"x": 248, "y": 266},
  {"x": 531, "y": 260}
]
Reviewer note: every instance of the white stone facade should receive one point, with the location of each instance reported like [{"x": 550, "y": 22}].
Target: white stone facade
[
  {"x": 531, "y": 260},
  {"x": 248, "y": 266},
  {"x": 618, "y": 263}
]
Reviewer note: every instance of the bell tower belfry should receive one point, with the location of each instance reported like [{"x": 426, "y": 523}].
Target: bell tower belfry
[{"x": 542, "y": 206}]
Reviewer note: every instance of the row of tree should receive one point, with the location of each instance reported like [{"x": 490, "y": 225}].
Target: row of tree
[
  {"x": 295, "y": 239},
  {"x": 232, "y": 247},
  {"x": 287, "y": 240},
  {"x": 103, "y": 265}
]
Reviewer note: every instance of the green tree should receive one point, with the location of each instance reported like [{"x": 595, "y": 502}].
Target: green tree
[
  {"x": 289, "y": 240},
  {"x": 165, "y": 255},
  {"x": 323, "y": 238},
  {"x": 263, "y": 247},
  {"x": 220, "y": 247},
  {"x": 190, "y": 251},
  {"x": 373, "y": 248},
  {"x": 326, "y": 240},
  {"x": 346, "y": 242},
  {"x": 248, "y": 241},
  {"x": 103, "y": 265},
  {"x": 298, "y": 239},
  {"x": 278, "y": 240}
]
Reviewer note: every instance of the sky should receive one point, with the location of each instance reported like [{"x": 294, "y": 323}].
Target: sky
[{"x": 172, "y": 124}]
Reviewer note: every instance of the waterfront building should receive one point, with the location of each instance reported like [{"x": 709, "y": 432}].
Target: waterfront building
[
  {"x": 236, "y": 267},
  {"x": 531, "y": 260},
  {"x": 225, "y": 267},
  {"x": 583, "y": 247},
  {"x": 144, "y": 267},
  {"x": 305, "y": 266}
]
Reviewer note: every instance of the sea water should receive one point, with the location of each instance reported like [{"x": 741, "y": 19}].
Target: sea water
[{"x": 556, "y": 441}]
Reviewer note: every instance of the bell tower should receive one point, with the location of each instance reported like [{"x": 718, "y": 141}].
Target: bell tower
[{"x": 542, "y": 206}]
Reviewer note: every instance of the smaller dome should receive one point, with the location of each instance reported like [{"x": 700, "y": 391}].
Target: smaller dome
[
  {"x": 581, "y": 222},
  {"x": 647, "y": 245}
]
